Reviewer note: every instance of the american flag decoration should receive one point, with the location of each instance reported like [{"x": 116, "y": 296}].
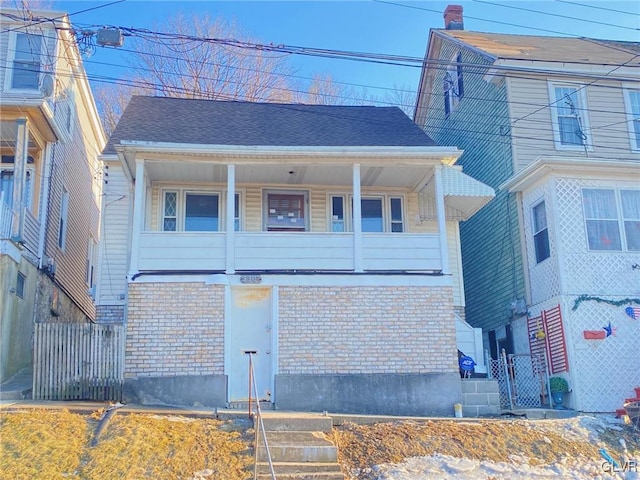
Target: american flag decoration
[{"x": 633, "y": 312}]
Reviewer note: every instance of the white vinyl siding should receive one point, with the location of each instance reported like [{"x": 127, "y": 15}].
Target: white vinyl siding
[{"x": 532, "y": 134}]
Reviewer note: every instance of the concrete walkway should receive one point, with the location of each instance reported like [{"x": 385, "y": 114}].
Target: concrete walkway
[{"x": 17, "y": 387}]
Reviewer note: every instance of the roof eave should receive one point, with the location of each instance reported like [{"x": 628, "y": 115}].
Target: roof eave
[{"x": 544, "y": 166}]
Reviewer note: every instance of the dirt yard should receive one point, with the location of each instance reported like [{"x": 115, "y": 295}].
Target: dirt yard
[{"x": 57, "y": 444}]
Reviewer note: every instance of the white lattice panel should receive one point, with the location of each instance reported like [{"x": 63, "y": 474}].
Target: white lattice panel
[
  {"x": 584, "y": 271},
  {"x": 604, "y": 372},
  {"x": 543, "y": 277}
]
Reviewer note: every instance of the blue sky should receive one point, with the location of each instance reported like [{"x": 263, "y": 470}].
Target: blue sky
[{"x": 366, "y": 26}]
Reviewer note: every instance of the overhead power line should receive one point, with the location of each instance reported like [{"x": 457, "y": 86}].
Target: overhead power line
[
  {"x": 556, "y": 15},
  {"x": 586, "y": 5}
]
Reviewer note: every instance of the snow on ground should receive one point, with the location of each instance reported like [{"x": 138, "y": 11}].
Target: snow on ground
[{"x": 582, "y": 428}]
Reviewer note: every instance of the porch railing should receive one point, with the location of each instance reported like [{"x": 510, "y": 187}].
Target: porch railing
[{"x": 288, "y": 251}]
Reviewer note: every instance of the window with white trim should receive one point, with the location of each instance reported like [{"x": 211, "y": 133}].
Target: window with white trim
[
  {"x": 64, "y": 214},
  {"x": 378, "y": 213},
  {"x": 26, "y": 59},
  {"x": 632, "y": 101},
  {"x": 337, "y": 213},
  {"x": 568, "y": 110},
  {"x": 185, "y": 210},
  {"x": 286, "y": 210},
  {"x": 453, "y": 84},
  {"x": 612, "y": 218},
  {"x": 7, "y": 178},
  {"x": 540, "y": 232},
  {"x": 190, "y": 211}
]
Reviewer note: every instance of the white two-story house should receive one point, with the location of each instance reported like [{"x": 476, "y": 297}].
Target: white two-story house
[
  {"x": 50, "y": 181},
  {"x": 323, "y": 238}
]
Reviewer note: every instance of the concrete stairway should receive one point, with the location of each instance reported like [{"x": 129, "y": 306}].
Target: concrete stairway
[
  {"x": 298, "y": 448},
  {"x": 18, "y": 387}
]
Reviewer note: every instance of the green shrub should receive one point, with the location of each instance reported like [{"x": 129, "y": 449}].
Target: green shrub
[{"x": 558, "y": 384}]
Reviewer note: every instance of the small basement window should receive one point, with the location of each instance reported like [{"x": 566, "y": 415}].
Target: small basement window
[{"x": 20, "y": 285}]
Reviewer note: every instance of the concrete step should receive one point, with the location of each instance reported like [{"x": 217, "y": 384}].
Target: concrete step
[
  {"x": 244, "y": 405},
  {"x": 306, "y": 470},
  {"x": 297, "y": 447},
  {"x": 296, "y": 422}
]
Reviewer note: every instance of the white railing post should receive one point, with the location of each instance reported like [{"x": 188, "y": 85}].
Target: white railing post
[
  {"x": 442, "y": 221},
  {"x": 19, "y": 177},
  {"x": 231, "y": 214},
  {"x": 138, "y": 215},
  {"x": 357, "y": 220}
]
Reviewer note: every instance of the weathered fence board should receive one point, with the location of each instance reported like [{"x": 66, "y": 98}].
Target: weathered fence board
[{"x": 78, "y": 361}]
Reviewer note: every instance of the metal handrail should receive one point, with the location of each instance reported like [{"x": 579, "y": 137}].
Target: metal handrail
[{"x": 259, "y": 423}]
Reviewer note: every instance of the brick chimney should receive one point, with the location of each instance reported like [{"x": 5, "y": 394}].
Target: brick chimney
[{"x": 453, "y": 18}]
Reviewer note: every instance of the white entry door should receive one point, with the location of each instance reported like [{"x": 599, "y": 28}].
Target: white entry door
[{"x": 249, "y": 325}]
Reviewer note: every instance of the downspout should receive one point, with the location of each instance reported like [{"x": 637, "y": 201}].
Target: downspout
[{"x": 44, "y": 198}]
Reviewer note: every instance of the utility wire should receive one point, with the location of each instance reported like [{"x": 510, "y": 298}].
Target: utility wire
[
  {"x": 44, "y": 20},
  {"x": 556, "y": 15},
  {"x": 599, "y": 8}
]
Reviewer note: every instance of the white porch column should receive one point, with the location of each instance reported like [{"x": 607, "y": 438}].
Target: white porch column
[
  {"x": 138, "y": 215},
  {"x": 231, "y": 213},
  {"x": 357, "y": 220},
  {"x": 442, "y": 221},
  {"x": 19, "y": 177}
]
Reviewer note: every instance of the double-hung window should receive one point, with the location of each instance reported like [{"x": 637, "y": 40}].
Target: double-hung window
[
  {"x": 632, "y": 100},
  {"x": 612, "y": 218},
  {"x": 540, "y": 232},
  {"x": 568, "y": 110},
  {"x": 378, "y": 213},
  {"x": 26, "y": 64},
  {"x": 190, "y": 211}
]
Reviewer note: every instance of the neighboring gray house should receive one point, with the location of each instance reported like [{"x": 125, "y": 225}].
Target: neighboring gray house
[
  {"x": 323, "y": 237},
  {"x": 554, "y": 125}
]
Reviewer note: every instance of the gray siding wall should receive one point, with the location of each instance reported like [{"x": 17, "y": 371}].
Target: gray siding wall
[{"x": 491, "y": 251}]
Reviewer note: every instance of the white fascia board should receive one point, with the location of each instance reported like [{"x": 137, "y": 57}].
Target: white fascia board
[
  {"x": 544, "y": 166},
  {"x": 446, "y": 155}
]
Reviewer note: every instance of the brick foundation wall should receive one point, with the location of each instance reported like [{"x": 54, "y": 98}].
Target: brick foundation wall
[
  {"x": 174, "y": 329},
  {"x": 362, "y": 330},
  {"x": 110, "y": 314}
]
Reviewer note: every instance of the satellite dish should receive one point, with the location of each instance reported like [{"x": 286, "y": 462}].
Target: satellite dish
[{"x": 46, "y": 86}]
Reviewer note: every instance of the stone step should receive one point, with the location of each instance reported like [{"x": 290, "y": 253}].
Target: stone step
[
  {"x": 310, "y": 469},
  {"x": 297, "y": 422},
  {"x": 303, "y": 476},
  {"x": 293, "y": 446}
]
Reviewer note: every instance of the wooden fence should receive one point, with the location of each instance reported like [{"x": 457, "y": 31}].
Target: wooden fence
[{"x": 78, "y": 361}]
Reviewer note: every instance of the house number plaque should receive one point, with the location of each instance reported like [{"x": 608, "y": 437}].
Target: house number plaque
[{"x": 250, "y": 279}]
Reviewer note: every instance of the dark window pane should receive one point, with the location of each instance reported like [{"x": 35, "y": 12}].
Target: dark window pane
[
  {"x": 201, "y": 213},
  {"x": 372, "y": 215},
  {"x": 541, "y": 241}
]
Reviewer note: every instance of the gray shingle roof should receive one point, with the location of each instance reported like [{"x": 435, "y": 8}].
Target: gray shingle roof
[
  {"x": 212, "y": 122},
  {"x": 540, "y": 48}
]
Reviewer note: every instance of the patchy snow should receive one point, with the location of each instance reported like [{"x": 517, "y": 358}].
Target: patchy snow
[
  {"x": 441, "y": 466},
  {"x": 583, "y": 428}
]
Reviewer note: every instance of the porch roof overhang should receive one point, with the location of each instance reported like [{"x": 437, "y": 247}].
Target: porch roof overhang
[
  {"x": 574, "y": 167},
  {"x": 386, "y": 166},
  {"x": 464, "y": 193}
]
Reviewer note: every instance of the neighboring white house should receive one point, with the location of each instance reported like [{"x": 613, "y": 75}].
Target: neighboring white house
[
  {"x": 325, "y": 238},
  {"x": 553, "y": 262},
  {"x": 50, "y": 181}
]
